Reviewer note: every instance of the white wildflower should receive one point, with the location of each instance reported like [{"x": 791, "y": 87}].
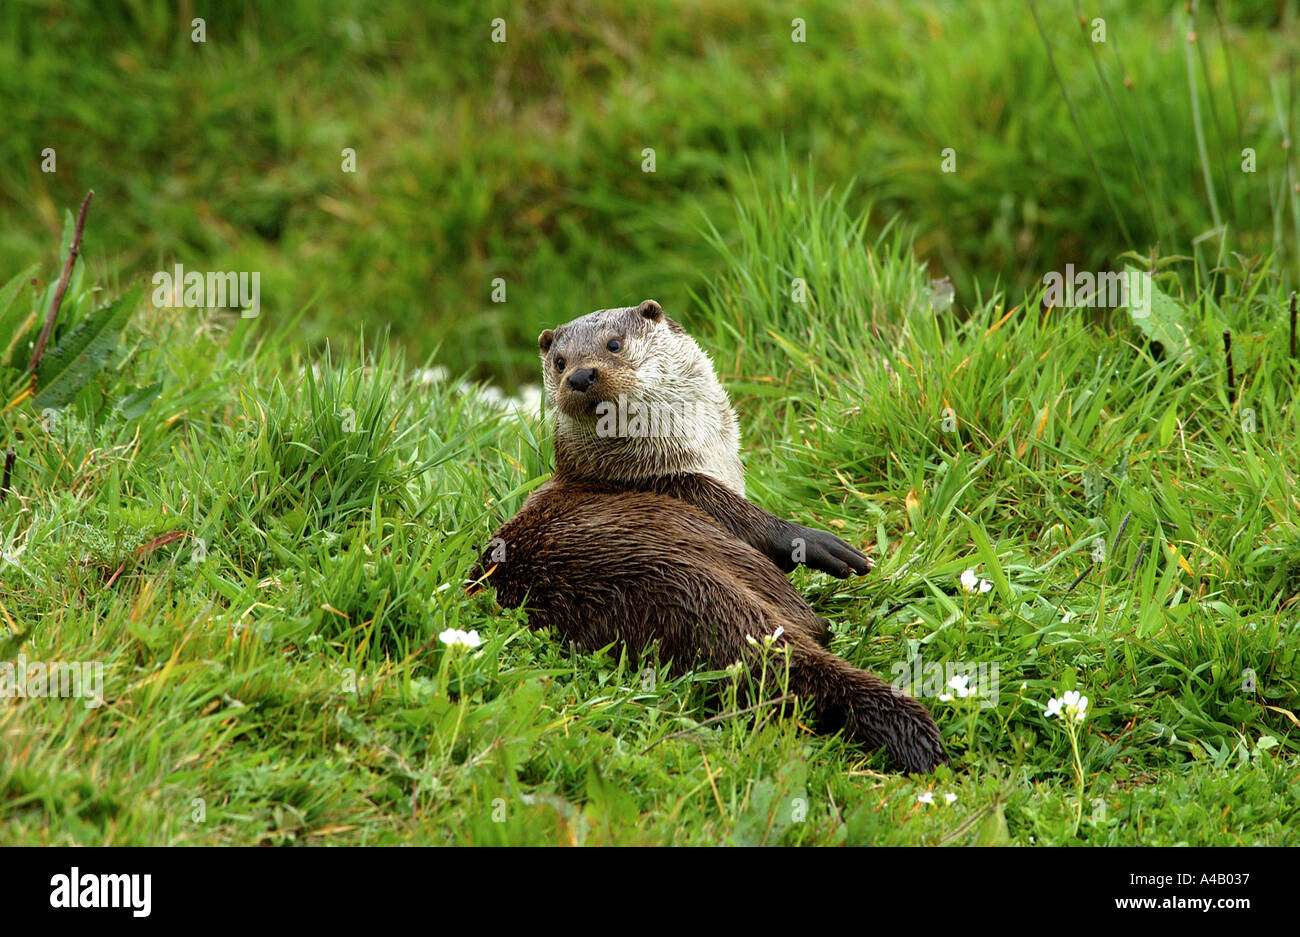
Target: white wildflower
[
  {"x": 972, "y": 583},
  {"x": 1071, "y": 705},
  {"x": 454, "y": 637}
]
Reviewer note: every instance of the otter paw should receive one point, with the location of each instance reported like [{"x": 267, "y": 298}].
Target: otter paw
[{"x": 828, "y": 553}]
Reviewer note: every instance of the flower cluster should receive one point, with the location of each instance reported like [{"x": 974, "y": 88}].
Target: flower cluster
[
  {"x": 768, "y": 639},
  {"x": 1070, "y": 706},
  {"x": 972, "y": 583}
]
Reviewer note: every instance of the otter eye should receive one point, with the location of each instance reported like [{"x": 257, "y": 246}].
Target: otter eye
[
  {"x": 614, "y": 345},
  {"x": 559, "y": 364}
]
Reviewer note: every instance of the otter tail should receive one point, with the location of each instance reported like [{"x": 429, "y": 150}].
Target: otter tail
[{"x": 872, "y": 712}]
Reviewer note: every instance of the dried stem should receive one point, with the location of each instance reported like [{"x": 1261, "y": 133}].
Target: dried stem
[
  {"x": 57, "y": 301},
  {"x": 784, "y": 698},
  {"x": 1232, "y": 378},
  {"x": 10, "y": 456}
]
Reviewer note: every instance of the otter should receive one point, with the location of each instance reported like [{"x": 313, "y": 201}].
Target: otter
[{"x": 643, "y": 535}]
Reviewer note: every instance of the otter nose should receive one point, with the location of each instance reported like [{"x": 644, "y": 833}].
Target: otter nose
[{"x": 581, "y": 380}]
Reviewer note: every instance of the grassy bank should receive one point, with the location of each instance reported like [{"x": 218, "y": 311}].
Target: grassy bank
[
  {"x": 254, "y": 530},
  {"x": 263, "y": 560}
]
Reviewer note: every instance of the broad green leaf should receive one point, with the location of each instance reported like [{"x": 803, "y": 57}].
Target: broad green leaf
[
  {"x": 138, "y": 402},
  {"x": 1159, "y": 317},
  {"x": 775, "y": 804},
  {"x": 68, "y": 368},
  {"x": 993, "y": 829},
  {"x": 17, "y": 320},
  {"x": 11, "y": 289},
  {"x": 12, "y": 382}
]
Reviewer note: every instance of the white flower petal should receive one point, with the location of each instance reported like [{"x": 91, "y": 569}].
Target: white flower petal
[{"x": 454, "y": 637}]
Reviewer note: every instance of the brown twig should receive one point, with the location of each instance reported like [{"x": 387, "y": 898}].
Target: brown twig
[
  {"x": 1232, "y": 378},
  {"x": 10, "y": 456},
  {"x": 146, "y": 548},
  {"x": 62, "y": 288}
]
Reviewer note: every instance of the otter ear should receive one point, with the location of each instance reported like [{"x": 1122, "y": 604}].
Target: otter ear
[
  {"x": 544, "y": 341},
  {"x": 650, "y": 310}
]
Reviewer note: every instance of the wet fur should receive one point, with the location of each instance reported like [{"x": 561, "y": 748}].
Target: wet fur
[{"x": 678, "y": 559}]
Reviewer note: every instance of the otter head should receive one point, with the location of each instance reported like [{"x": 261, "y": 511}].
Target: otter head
[
  {"x": 611, "y": 352},
  {"x": 635, "y": 397}
]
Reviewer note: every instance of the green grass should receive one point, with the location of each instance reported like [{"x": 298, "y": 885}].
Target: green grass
[
  {"x": 287, "y": 677},
  {"x": 522, "y": 161},
  {"x": 263, "y": 556}
]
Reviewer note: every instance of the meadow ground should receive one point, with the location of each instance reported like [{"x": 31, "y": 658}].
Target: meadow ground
[{"x": 260, "y": 537}]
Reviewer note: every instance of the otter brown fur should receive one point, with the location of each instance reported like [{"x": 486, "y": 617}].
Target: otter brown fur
[{"x": 648, "y": 539}]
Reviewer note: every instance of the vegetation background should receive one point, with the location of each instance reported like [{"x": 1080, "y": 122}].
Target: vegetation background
[{"x": 261, "y": 526}]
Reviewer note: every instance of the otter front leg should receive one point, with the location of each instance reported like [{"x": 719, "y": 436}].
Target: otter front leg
[
  {"x": 785, "y": 543},
  {"x": 791, "y": 544}
]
